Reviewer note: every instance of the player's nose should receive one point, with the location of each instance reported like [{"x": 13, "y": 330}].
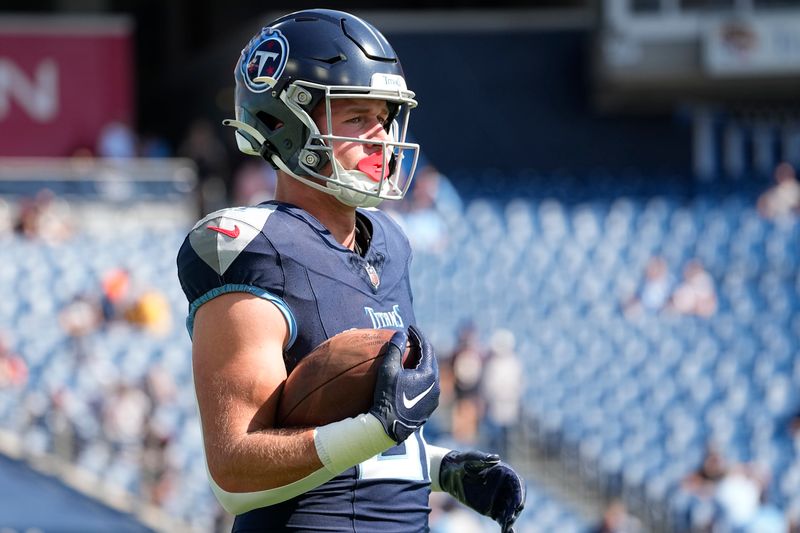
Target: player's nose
[
  {"x": 377, "y": 135},
  {"x": 377, "y": 132}
]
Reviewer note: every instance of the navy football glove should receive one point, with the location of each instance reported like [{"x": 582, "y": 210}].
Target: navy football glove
[
  {"x": 406, "y": 397},
  {"x": 484, "y": 483}
]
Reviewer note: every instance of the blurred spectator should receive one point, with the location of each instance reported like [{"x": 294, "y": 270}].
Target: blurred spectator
[
  {"x": 502, "y": 387},
  {"x": 7, "y": 221},
  {"x": 439, "y": 426},
  {"x": 655, "y": 290},
  {"x": 449, "y": 516},
  {"x": 60, "y": 424},
  {"x": 424, "y": 224},
  {"x": 116, "y": 299},
  {"x": 794, "y": 430},
  {"x": 158, "y": 471},
  {"x": 696, "y": 294},
  {"x": 44, "y": 217},
  {"x": 124, "y": 416},
  {"x": 160, "y": 387},
  {"x": 616, "y": 519},
  {"x": 768, "y": 518},
  {"x": 433, "y": 206},
  {"x": 738, "y": 491},
  {"x": 117, "y": 140},
  {"x": 202, "y": 146},
  {"x": 115, "y": 293},
  {"x": 158, "y": 475},
  {"x": 27, "y": 221},
  {"x": 13, "y": 369},
  {"x": 712, "y": 469},
  {"x": 446, "y": 198},
  {"x": 782, "y": 200},
  {"x": 253, "y": 183},
  {"x": 81, "y": 316},
  {"x": 793, "y": 517},
  {"x": 150, "y": 311},
  {"x": 467, "y": 365},
  {"x": 98, "y": 374},
  {"x": 738, "y": 496}
]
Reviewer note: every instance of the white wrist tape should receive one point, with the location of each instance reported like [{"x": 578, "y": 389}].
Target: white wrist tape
[
  {"x": 348, "y": 442},
  {"x": 435, "y": 455}
]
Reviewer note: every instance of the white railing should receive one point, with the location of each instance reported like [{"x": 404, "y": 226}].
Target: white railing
[{"x": 98, "y": 179}]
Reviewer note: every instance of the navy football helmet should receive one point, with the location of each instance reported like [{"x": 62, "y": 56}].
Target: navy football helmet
[{"x": 306, "y": 59}]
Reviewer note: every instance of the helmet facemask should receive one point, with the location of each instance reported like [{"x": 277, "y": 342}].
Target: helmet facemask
[{"x": 380, "y": 176}]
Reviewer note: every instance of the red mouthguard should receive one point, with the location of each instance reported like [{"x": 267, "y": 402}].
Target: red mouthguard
[{"x": 372, "y": 166}]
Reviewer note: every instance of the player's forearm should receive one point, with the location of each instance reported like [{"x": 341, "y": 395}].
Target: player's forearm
[
  {"x": 264, "y": 459},
  {"x": 272, "y": 466},
  {"x": 267, "y": 467},
  {"x": 271, "y": 458}
]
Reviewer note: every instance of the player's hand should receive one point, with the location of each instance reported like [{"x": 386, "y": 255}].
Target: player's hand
[
  {"x": 406, "y": 397},
  {"x": 484, "y": 483}
]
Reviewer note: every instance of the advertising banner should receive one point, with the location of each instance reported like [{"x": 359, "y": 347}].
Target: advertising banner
[{"x": 62, "y": 80}]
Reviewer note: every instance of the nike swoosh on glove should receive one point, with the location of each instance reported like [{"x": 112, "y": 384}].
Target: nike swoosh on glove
[
  {"x": 406, "y": 397},
  {"x": 484, "y": 483}
]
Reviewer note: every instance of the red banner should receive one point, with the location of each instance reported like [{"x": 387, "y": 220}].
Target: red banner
[{"x": 61, "y": 82}]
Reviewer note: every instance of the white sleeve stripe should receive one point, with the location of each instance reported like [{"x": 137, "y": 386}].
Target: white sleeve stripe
[
  {"x": 257, "y": 291},
  {"x": 241, "y": 502}
]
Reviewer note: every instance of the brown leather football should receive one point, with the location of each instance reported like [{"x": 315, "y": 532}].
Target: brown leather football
[{"x": 337, "y": 379}]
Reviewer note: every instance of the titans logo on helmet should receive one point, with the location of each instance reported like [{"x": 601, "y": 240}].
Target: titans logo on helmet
[{"x": 266, "y": 58}]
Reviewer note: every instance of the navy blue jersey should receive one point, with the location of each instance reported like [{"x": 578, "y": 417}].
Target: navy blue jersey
[{"x": 283, "y": 254}]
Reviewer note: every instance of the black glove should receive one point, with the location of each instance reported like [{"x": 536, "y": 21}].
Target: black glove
[
  {"x": 484, "y": 483},
  {"x": 406, "y": 397}
]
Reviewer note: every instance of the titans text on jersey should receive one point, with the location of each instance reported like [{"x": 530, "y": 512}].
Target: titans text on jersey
[{"x": 281, "y": 253}]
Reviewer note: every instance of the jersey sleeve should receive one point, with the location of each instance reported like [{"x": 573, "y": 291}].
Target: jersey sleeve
[{"x": 228, "y": 251}]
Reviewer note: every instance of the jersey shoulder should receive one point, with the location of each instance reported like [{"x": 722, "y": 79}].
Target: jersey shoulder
[{"x": 229, "y": 246}]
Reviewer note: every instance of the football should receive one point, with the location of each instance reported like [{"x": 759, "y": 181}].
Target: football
[{"x": 337, "y": 379}]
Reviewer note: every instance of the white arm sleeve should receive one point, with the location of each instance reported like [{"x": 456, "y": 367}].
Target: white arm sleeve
[
  {"x": 339, "y": 445},
  {"x": 435, "y": 455}
]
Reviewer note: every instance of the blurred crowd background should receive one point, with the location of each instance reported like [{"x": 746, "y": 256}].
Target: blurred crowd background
[{"x": 606, "y": 253}]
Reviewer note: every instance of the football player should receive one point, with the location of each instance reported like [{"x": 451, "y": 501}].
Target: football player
[{"x": 320, "y": 94}]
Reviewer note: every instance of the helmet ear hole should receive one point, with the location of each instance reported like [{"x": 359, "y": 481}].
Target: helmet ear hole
[
  {"x": 269, "y": 121},
  {"x": 273, "y": 124}
]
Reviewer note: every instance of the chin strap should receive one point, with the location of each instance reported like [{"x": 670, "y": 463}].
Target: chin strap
[
  {"x": 353, "y": 181},
  {"x": 343, "y": 194}
]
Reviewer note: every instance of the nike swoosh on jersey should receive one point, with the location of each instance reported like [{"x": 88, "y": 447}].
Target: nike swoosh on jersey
[
  {"x": 232, "y": 233},
  {"x": 415, "y": 400}
]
